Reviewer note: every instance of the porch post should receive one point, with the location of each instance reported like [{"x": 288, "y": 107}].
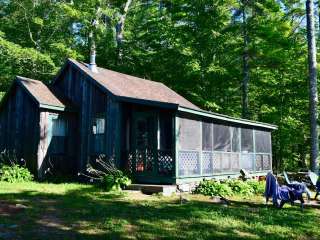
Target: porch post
[
  {"x": 157, "y": 150},
  {"x": 176, "y": 145}
]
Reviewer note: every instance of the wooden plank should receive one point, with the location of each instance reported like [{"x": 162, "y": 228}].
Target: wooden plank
[{"x": 43, "y": 145}]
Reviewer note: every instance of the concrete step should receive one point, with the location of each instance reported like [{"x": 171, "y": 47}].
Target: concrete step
[{"x": 166, "y": 190}]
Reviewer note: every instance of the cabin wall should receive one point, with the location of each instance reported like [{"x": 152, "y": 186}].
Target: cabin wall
[
  {"x": 56, "y": 154},
  {"x": 98, "y": 111},
  {"x": 19, "y": 121}
]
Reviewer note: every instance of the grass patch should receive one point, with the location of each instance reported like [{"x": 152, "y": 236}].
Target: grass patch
[{"x": 78, "y": 211}]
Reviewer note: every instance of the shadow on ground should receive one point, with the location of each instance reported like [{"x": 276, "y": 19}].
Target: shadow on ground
[{"x": 91, "y": 214}]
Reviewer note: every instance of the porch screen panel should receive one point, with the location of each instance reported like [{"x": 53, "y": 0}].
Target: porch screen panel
[
  {"x": 262, "y": 141},
  {"x": 207, "y": 136},
  {"x": 235, "y": 138},
  {"x": 221, "y": 138},
  {"x": 190, "y": 147},
  {"x": 189, "y": 134},
  {"x": 247, "y": 162},
  {"x": 246, "y": 140}
]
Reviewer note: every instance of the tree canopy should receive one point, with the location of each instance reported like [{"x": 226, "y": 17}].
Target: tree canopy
[{"x": 195, "y": 47}]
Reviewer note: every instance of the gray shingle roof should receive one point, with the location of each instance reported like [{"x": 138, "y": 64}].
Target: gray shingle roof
[
  {"x": 128, "y": 86},
  {"x": 41, "y": 93}
]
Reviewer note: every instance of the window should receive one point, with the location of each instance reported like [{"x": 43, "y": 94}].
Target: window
[
  {"x": 246, "y": 140},
  {"x": 59, "y": 127},
  {"x": 98, "y": 134},
  {"x": 58, "y": 139},
  {"x": 98, "y": 126}
]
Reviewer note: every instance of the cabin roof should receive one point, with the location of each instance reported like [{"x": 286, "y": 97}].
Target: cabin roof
[
  {"x": 41, "y": 93},
  {"x": 227, "y": 118},
  {"x": 138, "y": 90},
  {"x": 129, "y": 87}
]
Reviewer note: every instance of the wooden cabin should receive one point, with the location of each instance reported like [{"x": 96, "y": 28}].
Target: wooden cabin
[{"x": 145, "y": 127}]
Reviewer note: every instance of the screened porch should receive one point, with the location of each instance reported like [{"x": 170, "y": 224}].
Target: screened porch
[
  {"x": 148, "y": 144},
  {"x": 209, "y": 147}
]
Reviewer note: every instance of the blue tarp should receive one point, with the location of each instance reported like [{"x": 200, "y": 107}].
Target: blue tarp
[{"x": 281, "y": 193}]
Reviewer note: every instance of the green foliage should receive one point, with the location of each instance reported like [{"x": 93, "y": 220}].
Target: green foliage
[
  {"x": 197, "y": 44},
  {"x": 106, "y": 173},
  {"x": 240, "y": 187},
  {"x": 115, "y": 182},
  {"x": 12, "y": 170},
  {"x": 230, "y": 187},
  {"x": 258, "y": 187},
  {"x": 16, "y": 60},
  {"x": 15, "y": 174},
  {"x": 213, "y": 188}
]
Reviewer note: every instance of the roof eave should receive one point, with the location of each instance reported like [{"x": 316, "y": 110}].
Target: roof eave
[
  {"x": 227, "y": 118},
  {"x": 145, "y": 102},
  {"x": 52, "y": 107}
]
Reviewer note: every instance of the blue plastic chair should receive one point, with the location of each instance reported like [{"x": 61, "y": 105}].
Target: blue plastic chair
[{"x": 299, "y": 186}]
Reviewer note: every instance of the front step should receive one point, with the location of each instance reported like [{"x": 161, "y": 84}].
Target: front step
[{"x": 166, "y": 190}]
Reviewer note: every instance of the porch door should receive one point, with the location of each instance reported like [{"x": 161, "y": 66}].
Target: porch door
[{"x": 144, "y": 142}]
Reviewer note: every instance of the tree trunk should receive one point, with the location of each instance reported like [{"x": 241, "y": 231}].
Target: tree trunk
[
  {"x": 120, "y": 29},
  {"x": 313, "y": 102},
  {"x": 245, "y": 58}
]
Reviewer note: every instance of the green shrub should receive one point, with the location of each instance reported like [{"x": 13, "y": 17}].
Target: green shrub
[
  {"x": 240, "y": 187},
  {"x": 15, "y": 173},
  {"x": 115, "y": 182},
  {"x": 107, "y": 174},
  {"x": 213, "y": 188},
  {"x": 230, "y": 187},
  {"x": 257, "y": 186}
]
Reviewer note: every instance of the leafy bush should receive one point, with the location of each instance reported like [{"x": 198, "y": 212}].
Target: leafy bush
[
  {"x": 15, "y": 173},
  {"x": 116, "y": 182},
  {"x": 230, "y": 187},
  {"x": 13, "y": 170},
  {"x": 240, "y": 187},
  {"x": 213, "y": 188},
  {"x": 106, "y": 173},
  {"x": 257, "y": 186}
]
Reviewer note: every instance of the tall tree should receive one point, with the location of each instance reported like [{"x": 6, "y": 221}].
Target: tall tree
[
  {"x": 120, "y": 29},
  {"x": 245, "y": 57},
  {"x": 312, "y": 64}
]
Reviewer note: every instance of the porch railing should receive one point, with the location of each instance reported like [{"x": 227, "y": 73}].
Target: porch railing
[
  {"x": 206, "y": 163},
  {"x": 150, "y": 162}
]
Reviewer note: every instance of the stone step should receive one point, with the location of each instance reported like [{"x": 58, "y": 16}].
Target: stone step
[{"x": 166, "y": 190}]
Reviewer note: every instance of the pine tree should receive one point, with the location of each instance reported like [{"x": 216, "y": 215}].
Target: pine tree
[{"x": 312, "y": 63}]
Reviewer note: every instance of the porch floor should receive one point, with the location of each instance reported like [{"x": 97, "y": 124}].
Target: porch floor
[{"x": 166, "y": 190}]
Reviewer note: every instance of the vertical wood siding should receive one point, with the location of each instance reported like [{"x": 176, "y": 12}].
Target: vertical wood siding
[
  {"x": 19, "y": 121},
  {"x": 91, "y": 101}
]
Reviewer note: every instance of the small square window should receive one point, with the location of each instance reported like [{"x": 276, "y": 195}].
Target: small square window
[
  {"x": 98, "y": 126},
  {"x": 59, "y": 127}
]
